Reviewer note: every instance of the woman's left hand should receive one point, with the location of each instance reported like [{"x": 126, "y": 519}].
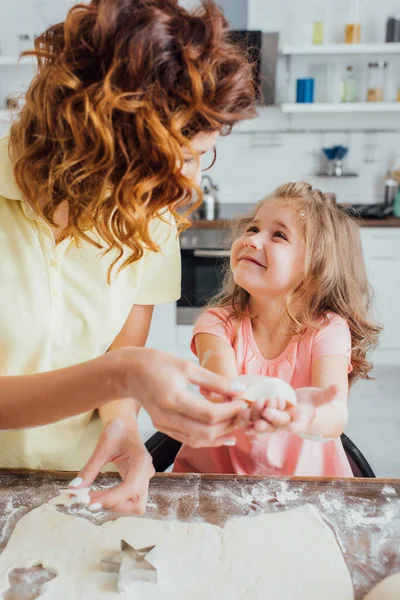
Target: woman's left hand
[{"x": 120, "y": 444}]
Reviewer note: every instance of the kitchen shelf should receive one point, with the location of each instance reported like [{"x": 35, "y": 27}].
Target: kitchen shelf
[
  {"x": 15, "y": 61},
  {"x": 344, "y": 49},
  {"x": 345, "y": 107}
]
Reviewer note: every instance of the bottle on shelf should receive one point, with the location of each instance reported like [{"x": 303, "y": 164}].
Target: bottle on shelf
[
  {"x": 396, "y": 205},
  {"x": 319, "y": 21},
  {"x": 391, "y": 189},
  {"x": 393, "y": 24},
  {"x": 376, "y": 81},
  {"x": 349, "y": 87},
  {"x": 353, "y": 28},
  {"x": 318, "y": 32}
]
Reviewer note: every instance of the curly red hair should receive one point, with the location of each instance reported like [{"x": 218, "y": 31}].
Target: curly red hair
[{"x": 122, "y": 87}]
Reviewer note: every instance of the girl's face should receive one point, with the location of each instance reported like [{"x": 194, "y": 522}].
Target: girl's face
[
  {"x": 202, "y": 144},
  {"x": 269, "y": 258}
]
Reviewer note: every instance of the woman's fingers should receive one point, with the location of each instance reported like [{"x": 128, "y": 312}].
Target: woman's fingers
[
  {"x": 94, "y": 465},
  {"x": 133, "y": 493},
  {"x": 196, "y": 434},
  {"x": 199, "y": 410},
  {"x": 214, "y": 383}
]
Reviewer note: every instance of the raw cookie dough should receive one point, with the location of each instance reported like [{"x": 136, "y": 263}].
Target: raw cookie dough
[
  {"x": 388, "y": 589},
  {"x": 289, "y": 554},
  {"x": 268, "y": 388}
]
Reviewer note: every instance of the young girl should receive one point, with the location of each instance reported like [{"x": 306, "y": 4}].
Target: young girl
[{"x": 294, "y": 305}]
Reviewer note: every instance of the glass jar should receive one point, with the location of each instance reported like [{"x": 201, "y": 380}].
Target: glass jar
[
  {"x": 376, "y": 81},
  {"x": 352, "y": 34}
]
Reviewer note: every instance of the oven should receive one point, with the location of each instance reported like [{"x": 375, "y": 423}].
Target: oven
[{"x": 205, "y": 256}]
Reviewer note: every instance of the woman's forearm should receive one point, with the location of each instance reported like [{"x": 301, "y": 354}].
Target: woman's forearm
[{"x": 33, "y": 400}]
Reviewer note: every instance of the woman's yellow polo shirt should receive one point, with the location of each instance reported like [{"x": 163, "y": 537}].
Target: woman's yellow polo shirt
[{"x": 57, "y": 309}]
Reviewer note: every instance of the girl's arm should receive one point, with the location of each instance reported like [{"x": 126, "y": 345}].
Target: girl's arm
[{"x": 216, "y": 354}]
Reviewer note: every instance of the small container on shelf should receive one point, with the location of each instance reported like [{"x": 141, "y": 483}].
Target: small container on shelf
[
  {"x": 319, "y": 12},
  {"x": 391, "y": 189},
  {"x": 352, "y": 33},
  {"x": 305, "y": 90},
  {"x": 396, "y": 205},
  {"x": 318, "y": 32},
  {"x": 393, "y": 24},
  {"x": 376, "y": 81},
  {"x": 349, "y": 87}
]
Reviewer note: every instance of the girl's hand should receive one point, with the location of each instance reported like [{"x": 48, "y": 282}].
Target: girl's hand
[
  {"x": 120, "y": 444},
  {"x": 159, "y": 382},
  {"x": 267, "y": 416},
  {"x": 308, "y": 400}
]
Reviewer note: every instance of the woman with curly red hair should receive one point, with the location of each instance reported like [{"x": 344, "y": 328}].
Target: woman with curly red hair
[{"x": 95, "y": 178}]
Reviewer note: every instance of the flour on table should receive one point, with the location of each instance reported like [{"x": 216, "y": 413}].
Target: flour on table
[
  {"x": 72, "y": 496},
  {"x": 290, "y": 554}
]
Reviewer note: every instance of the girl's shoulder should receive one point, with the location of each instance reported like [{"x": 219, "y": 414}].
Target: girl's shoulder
[
  {"x": 330, "y": 319},
  {"x": 330, "y": 335},
  {"x": 219, "y": 315},
  {"x": 219, "y": 319}
]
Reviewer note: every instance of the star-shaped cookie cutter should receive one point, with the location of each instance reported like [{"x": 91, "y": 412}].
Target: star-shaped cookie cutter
[{"x": 131, "y": 565}]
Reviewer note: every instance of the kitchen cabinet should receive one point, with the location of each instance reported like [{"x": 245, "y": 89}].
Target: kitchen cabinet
[{"x": 382, "y": 256}]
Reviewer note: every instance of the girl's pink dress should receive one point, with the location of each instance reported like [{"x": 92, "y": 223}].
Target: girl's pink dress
[{"x": 280, "y": 453}]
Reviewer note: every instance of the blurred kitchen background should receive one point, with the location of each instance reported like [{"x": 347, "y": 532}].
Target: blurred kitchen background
[{"x": 329, "y": 113}]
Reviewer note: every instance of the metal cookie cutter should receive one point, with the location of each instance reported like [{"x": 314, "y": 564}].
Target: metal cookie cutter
[{"x": 131, "y": 565}]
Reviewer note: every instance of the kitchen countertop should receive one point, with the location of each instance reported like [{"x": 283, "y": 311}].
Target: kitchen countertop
[
  {"x": 363, "y": 513},
  {"x": 389, "y": 222}
]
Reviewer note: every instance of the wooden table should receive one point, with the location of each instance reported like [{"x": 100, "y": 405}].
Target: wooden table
[{"x": 363, "y": 513}]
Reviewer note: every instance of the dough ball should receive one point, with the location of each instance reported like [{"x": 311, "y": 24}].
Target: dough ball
[
  {"x": 268, "y": 388},
  {"x": 388, "y": 589}
]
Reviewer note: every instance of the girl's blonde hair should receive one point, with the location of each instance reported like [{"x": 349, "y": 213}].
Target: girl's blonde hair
[{"x": 335, "y": 277}]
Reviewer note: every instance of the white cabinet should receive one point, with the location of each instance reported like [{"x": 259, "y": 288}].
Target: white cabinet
[{"x": 382, "y": 256}]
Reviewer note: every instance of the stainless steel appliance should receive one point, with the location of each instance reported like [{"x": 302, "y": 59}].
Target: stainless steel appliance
[{"x": 205, "y": 256}]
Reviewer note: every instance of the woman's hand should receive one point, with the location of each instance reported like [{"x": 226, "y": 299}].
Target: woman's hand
[
  {"x": 159, "y": 382},
  {"x": 120, "y": 444}
]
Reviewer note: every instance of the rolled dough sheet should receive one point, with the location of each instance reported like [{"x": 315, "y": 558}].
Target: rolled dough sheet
[{"x": 291, "y": 555}]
